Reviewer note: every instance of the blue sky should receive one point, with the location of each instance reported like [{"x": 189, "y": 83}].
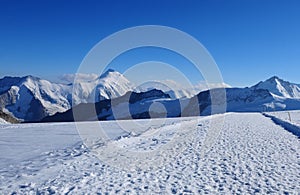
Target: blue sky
[{"x": 250, "y": 40}]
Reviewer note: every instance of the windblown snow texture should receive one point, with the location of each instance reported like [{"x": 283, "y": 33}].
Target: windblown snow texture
[{"x": 251, "y": 155}]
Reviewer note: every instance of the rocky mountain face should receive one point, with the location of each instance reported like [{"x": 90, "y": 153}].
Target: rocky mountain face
[{"x": 6, "y": 118}]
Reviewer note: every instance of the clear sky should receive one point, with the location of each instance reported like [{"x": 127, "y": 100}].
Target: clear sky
[{"x": 250, "y": 40}]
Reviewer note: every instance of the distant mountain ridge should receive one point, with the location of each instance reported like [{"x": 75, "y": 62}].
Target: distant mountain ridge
[
  {"x": 273, "y": 94},
  {"x": 177, "y": 91},
  {"x": 258, "y": 98},
  {"x": 137, "y": 104},
  {"x": 33, "y": 99}
]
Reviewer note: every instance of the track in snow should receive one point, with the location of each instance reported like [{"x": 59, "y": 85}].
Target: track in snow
[{"x": 251, "y": 155}]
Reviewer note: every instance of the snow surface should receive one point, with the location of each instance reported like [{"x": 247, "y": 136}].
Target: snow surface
[
  {"x": 251, "y": 155},
  {"x": 292, "y": 116},
  {"x": 287, "y": 119}
]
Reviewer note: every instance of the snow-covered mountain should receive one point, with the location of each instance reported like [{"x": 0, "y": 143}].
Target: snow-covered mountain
[
  {"x": 253, "y": 99},
  {"x": 177, "y": 91},
  {"x": 273, "y": 94},
  {"x": 135, "y": 105},
  {"x": 170, "y": 87},
  {"x": 109, "y": 85},
  {"x": 31, "y": 98},
  {"x": 279, "y": 87}
]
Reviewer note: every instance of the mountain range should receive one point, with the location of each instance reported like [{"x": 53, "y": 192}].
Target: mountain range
[
  {"x": 31, "y": 99},
  {"x": 114, "y": 97}
]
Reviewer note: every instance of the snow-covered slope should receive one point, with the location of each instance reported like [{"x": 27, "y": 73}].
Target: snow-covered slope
[{"x": 280, "y": 87}]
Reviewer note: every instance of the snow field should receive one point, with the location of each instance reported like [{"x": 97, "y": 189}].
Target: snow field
[{"x": 250, "y": 155}]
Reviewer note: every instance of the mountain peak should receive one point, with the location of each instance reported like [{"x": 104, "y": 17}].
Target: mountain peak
[
  {"x": 275, "y": 78},
  {"x": 30, "y": 77},
  {"x": 108, "y": 72},
  {"x": 279, "y": 87},
  {"x": 111, "y": 70}
]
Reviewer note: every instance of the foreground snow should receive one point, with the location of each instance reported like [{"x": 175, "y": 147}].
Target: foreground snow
[{"x": 251, "y": 154}]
